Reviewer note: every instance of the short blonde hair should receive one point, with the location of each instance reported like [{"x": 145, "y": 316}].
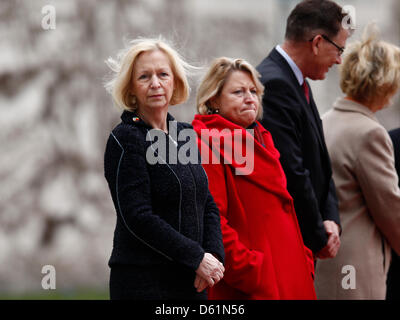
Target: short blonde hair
[
  {"x": 121, "y": 82},
  {"x": 370, "y": 71},
  {"x": 215, "y": 78}
]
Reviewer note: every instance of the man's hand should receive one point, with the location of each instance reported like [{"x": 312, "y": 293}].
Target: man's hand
[{"x": 333, "y": 245}]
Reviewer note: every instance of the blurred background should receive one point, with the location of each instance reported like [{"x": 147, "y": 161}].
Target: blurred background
[{"x": 55, "y": 117}]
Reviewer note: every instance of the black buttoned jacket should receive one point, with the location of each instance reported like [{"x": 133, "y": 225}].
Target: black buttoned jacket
[{"x": 165, "y": 212}]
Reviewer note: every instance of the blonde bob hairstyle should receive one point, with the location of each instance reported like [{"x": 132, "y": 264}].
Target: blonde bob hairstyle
[
  {"x": 370, "y": 72},
  {"x": 215, "y": 78},
  {"x": 120, "y": 84}
]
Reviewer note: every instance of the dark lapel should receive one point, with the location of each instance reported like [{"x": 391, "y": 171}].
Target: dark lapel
[
  {"x": 310, "y": 109},
  {"x": 317, "y": 123}
]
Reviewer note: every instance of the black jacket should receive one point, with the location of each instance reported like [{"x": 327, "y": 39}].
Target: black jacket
[
  {"x": 165, "y": 212},
  {"x": 393, "y": 277},
  {"x": 296, "y": 129},
  {"x": 395, "y": 136}
]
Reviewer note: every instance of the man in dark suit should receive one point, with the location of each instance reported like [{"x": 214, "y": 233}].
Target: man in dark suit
[
  {"x": 314, "y": 42},
  {"x": 393, "y": 278}
]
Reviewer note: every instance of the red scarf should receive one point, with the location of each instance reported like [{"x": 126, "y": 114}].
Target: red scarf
[{"x": 261, "y": 167}]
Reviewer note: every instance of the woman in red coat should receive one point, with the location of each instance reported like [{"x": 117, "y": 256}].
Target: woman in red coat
[{"x": 264, "y": 250}]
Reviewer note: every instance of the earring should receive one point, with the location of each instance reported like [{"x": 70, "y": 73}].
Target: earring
[{"x": 212, "y": 111}]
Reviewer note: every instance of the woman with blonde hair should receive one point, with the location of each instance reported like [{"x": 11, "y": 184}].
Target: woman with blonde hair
[
  {"x": 167, "y": 240},
  {"x": 265, "y": 257},
  {"x": 363, "y": 170}
]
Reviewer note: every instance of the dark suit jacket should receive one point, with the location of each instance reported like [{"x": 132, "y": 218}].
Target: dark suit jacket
[
  {"x": 296, "y": 129},
  {"x": 165, "y": 213},
  {"x": 393, "y": 280},
  {"x": 395, "y": 136}
]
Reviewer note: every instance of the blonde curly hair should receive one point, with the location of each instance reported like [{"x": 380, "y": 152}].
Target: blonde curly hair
[{"x": 370, "y": 71}]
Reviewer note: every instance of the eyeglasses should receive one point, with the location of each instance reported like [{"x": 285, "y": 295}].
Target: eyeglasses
[{"x": 341, "y": 49}]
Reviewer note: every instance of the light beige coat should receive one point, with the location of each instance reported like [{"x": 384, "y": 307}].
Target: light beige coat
[{"x": 369, "y": 203}]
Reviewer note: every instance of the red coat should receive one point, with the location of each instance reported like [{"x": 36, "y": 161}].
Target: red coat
[{"x": 265, "y": 257}]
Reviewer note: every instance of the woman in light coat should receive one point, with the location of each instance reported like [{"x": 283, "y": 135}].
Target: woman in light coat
[{"x": 363, "y": 170}]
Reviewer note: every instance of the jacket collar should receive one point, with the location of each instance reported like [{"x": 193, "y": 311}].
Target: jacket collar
[
  {"x": 278, "y": 58},
  {"x": 297, "y": 72},
  {"x": 346, "y": 105},
  {"x": 281, "y": 61},
  {"x": 215, "y": 121},
  {"x": 265, "y": 171},
  {"x": 132, "y": 118},
  {"x": 310, "y": 108}
]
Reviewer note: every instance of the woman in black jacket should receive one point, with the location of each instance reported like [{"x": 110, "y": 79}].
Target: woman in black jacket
[{"x": 167, "y": 240}]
